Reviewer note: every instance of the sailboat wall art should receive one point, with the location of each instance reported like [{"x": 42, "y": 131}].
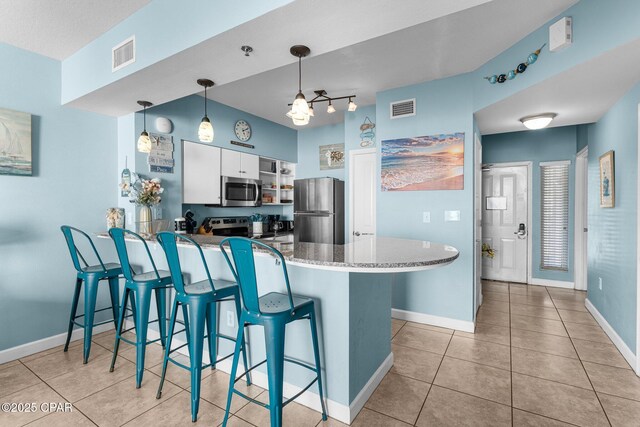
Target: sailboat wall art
[
  {"x": 423, "y": 163},
  {"x": 15, "y": 143}
]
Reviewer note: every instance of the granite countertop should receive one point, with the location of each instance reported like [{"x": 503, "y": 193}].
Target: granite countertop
[{"x": 375, "y": 255}]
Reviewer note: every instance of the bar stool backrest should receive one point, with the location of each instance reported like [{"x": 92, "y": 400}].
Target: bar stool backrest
[
  {"x": 76, "y": 256},
  {"x": 169, "y": 242},
  {"x": 244, "y": 269},
  {"x": 118, "y": 236}
]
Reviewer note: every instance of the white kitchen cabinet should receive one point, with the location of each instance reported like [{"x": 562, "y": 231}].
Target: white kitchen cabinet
[
  {"x": 200, "y": 173},
  {"x": 240, "y": 165}
]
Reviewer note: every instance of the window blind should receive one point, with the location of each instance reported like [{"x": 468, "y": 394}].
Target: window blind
[{"x": 554, "y": 178}]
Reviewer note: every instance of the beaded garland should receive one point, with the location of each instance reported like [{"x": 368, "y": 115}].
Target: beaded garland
[{"x": 521, "y": 68}]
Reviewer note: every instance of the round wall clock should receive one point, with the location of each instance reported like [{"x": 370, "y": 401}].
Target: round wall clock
[{"x": 242, "y": 130}]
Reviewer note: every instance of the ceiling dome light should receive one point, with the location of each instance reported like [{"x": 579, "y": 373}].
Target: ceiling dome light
[
  {"x": 144, "y": 142},
  {"x": 538, "y": 121},
  {"x": 352, "y": 106},
  {"x": 300, "y": 109},
  {"x": 330, "y": 108},
  {"x": 205, "y": 130}
]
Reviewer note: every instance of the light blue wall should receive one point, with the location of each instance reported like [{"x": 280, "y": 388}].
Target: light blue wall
[
  {"x": 270, "y": 140},
  {"x": 613, "y": 232},
  {"x": 309, "y": 142},
  {"x": 162, "y": 28},
  {"x": 74, "y": 182},
  {"x": 442, "y": 106},
  {"x": 538, "y": 146}
]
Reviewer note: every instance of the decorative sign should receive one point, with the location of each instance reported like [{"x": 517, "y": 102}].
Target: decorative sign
[
  {"x": 161, "y": 156},
  {"x": 15, "y": 143},
  {"x": 332, "y": 156},
  {"x": 422, "y": 163},
  {"x": 521, "y": 68},
  {"x": 242, "y": 144},
  {"x": 367, "y": 133},
  {"x": 607, "y": 181}
]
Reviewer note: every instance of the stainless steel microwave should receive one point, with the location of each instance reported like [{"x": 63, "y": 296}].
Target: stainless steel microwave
[{"x": 241, "y": 192}]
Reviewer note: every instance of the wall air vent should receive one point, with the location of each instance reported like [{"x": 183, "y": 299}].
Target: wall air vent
[
  {"x": 123, "y": 54},
  {"x": 404, "y": 108}
]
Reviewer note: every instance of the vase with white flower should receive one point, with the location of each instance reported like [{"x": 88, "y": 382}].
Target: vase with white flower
[{"x": 145, "y": 193}]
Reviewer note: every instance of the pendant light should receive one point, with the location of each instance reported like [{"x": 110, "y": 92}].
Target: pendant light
[
  {"x": 205, "y": 131},
  {"x": 352, "y": 105},
  {"x": 299, "y": 112},
  {"x": 144, "y": 142},
  {"x": 330, "y": 108}
]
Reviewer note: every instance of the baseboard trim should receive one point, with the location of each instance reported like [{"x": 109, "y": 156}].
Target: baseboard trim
[
  {"x": 617, "y": 341},
  {"x": 34, "y": 347},
  {"x": 430, "y": 319},
  {"x": 338, "y": 411},
  {"x": 551, "y": 283}
]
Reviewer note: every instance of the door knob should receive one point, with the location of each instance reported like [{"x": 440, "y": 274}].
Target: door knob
[{"x": 356, "y": 233}]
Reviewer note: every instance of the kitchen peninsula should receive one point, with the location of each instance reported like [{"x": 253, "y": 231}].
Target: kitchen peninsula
[{"x": 351, "y": 285}]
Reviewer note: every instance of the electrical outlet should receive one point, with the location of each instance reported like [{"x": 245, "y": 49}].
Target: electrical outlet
[
  {"x": 426, "y": 217},
  {"x": 600, "y": 282},
  {"x": 231, "y": 319}
]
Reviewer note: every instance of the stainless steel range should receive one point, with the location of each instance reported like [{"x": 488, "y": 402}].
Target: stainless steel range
[{"x": 225, "y": 226}]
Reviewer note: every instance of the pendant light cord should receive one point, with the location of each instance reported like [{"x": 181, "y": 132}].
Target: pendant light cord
[
  {"x": 205, "y": 101},
  {"x": 299, "y": 74},
  {"x": 144, "y": 118}
]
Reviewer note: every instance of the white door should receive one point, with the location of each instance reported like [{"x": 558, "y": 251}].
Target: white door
[
  {"x": 362, "y": 194},
  {"x": 231, "y": 164},
  {"x": 477, "y": 220},
  {"x": 250, "y": 166},
  {"x": 505, "y": 226},
  {"x": 582, "y": 163},
  {"x": 200, "y": 173}
]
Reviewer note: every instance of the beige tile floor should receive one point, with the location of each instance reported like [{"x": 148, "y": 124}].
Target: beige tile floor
[{"x": 538, "y": 358}]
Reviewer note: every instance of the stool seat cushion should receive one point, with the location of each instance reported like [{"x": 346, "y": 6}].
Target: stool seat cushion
[
  {"x": 275, "y": 302},
  {"x": 110, "y": 267},
  {"x": 203, "y": 286},
  {"x": 151, "y": 275}
]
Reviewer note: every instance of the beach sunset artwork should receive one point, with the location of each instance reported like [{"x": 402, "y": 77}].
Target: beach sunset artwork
[
  {"x": 15, "y": 142},
  {"x": 434, "y": 162}
]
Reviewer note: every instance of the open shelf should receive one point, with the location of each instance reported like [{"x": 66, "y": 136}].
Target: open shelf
[{"x": 276, "y": 194}]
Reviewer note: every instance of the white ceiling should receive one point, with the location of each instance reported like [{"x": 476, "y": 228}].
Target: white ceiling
[
  {"x": 579, "y": 95},
  {"x": 353, "y": 50},
  {"x": 58, "y": 28}
]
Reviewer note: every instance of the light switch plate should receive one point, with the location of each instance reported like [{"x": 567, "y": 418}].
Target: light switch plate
[
  {"x": 426, "y": 217},
  {"x": 451, "y": 216}
]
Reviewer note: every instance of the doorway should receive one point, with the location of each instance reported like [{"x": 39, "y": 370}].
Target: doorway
[
  {"x": 581, "y": 212},
  {"x": 505, "y": 222},
  {"x": 362, "y": 194}
]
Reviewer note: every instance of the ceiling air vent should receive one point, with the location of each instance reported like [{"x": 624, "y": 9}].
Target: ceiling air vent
[
  {"x": 404, "y": 108},
  {"x": 123, "y": 54}
]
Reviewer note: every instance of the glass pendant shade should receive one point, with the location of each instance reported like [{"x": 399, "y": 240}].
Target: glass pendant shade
[
  {"x": 301, "y": 122},
  {"x": 144, "y": 143},
  {"x": 331, "y": 109},
  {"x": 311, "y": 114},
  {"x": 205, "y": 131},
  {"x": 352, "y": 106}
]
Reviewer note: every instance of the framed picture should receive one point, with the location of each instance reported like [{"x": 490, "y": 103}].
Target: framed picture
[
  {"x": 423, "y": 163},
  {"x": 15, "y": 143},
  {"x": 607, "y": 180},
  {"x": 332, "y": 156}
]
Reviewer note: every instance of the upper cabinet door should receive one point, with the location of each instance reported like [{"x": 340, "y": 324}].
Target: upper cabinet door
[
  {"x": 231, "y": 164},
  {"x": 200, "y": 173},
  {"x": 250, "y": 166}
]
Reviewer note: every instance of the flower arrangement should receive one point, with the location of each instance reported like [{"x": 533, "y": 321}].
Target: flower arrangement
[
  {"x": 144, "y": 192},
  {"x": 488, "y": 251}
]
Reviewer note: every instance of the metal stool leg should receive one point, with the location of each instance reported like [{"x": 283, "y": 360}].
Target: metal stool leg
[
  {"x": 244, "y": 341},
  {"x": 212, "y": 330},
  {"x": 274, "y": 340},
  {"x": 165, "y": 361},
  {"x": 143, "y": 298},
  {"x": 197, "y": 312},
  {"x": 316, "y": 354},
  {"x": 161, "y": 306},
  {"x": 116, "y": 344},
  {"x": 90, "y": 297},
  {"x": 74, "y": 309},
  {"x": 114, "y": 285},
  {"x": 234, "y": 367}
]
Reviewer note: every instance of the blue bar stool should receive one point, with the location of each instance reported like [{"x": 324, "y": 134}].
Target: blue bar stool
[
  {"x": 139, "y": 287},
  {"x": 199, "y": 303},
  {"x": 273, "y": 311},
  {"x": 90, "y": 275}
]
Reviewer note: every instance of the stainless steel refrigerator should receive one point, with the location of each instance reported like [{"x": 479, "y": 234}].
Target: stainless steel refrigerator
[{"x": 318, "y": 205}]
